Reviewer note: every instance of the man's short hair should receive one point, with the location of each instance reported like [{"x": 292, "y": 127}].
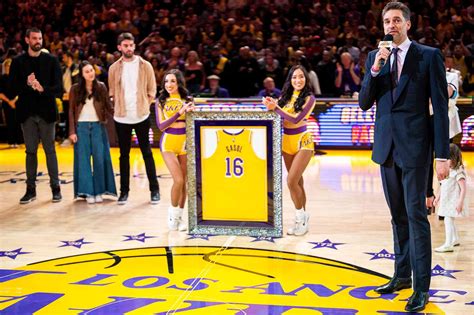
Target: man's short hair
[
  {"x": 125, "y": 36},
  {"x": 32, "y": 30},
  {"x": 267, "y": 79},
  {"x": 395, "y": 5}
]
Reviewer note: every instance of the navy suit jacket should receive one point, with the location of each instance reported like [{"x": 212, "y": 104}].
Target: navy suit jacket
[{"x": 404, "y": 121}]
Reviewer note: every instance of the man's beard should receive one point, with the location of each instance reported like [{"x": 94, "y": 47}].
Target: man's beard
[
  {"x": 36, "y": 47},
  {"x": 128, "y": 54}
]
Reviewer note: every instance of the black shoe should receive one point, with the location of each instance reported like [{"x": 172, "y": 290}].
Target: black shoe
[
  {"x": 395, "y": 284},
  {"x": 56, "y": 194},
  {"x": 123, "y": 198},
  {"x": 430, "y": 210},
  {"x": 417, "y": 301},
  {"x": 29, "y": 196},
  {"x": 155, "y": 197}
]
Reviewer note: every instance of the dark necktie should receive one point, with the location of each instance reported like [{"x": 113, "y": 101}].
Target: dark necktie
[
  {"x": 394, "y": 70},
  {"x": 394, "y": 73}
]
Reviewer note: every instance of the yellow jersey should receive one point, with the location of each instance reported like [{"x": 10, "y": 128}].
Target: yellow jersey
[
  {"x": 234, "y": 180},
  {"x": 289, "y": 107},
  {"x": 172, "y": 105}
]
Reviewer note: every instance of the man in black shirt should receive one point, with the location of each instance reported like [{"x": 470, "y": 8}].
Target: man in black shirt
[{"x": 36, "y": 78}]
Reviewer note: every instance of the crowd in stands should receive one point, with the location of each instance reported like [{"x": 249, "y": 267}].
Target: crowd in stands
[{"x": 237, "y": 44}]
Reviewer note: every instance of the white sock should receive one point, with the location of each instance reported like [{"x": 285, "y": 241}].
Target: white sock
[
  {"x": 456, "y": 235},
  {"x": 449, "y": 229},
  {"x": 453, "y": 231},
  {"x": 183, "y": 213},
  {"x": 173, "y": 211}
]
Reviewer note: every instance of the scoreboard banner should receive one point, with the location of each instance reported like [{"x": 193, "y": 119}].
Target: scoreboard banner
[
  {"x": 336, "y": 123},
  {"x": 344, "y": 124},
  {"x": 234, "y": 172}
]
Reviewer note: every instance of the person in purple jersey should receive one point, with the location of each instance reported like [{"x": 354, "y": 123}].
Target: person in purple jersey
[
  {"x": 294, "y": 106},
  {"x": 172, "y": 104}
]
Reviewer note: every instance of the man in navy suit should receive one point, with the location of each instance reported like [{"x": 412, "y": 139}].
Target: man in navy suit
[{"x": 402, "y": 88}]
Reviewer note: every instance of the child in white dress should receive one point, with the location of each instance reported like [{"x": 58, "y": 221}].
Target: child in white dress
[{"x": 451, "y": 201}]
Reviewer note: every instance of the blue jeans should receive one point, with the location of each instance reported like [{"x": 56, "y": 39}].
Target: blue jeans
[{"x": 99, "y": 178}]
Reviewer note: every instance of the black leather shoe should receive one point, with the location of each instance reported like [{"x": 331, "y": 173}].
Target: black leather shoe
[
  {"x": 430, "y": 209},
  {"x": 395, "y": 284},
  {"x": 417, "y": 301},
  {"x": 155, "y": 197},
  {"x": 56, "y": 194},
  {"x": 29, "y": 196},
  {"x": 122, "y": 198}
]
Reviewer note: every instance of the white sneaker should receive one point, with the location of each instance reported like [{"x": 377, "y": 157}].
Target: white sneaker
[
  {"x": 444, "y": 249},
  {"x": 90, "y": 199},
  {"x": 174, "y": 215},
  {"x": 175, "y": 220},
  {"x": 98, "y": 199},
  {"x": 301, "y": 224},
  {"x": 182, "y": 226},
  {"x": 66, "y": 142}
]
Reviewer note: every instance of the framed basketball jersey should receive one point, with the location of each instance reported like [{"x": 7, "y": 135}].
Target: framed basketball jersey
[
  {"x": 234, "y": 173},
  {"x": 231, "y": 167}
]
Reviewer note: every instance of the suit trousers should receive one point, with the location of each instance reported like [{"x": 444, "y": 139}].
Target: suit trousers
[{"x": 405, "y": 189}]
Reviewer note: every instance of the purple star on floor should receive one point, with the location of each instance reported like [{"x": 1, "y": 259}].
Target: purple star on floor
[
  {"x": 269, "y": 239},
  {"x": 383, "y": 254},
  {"x": 140, "y": 237},
  {"x": 440, "y": 271},
  {"x": 200, "y": 236},
  {"x": 77, "y": 243},
  {"x": 12, "y": 253},
  {"x": 325, "y": 244}
]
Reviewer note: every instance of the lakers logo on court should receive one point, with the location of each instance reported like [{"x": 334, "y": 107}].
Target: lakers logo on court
[{"x": 196, "y": 280}]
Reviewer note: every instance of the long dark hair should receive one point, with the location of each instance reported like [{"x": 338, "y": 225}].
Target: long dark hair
[
  {"x": 82, "y": 91},
  {"x": 288, "y": 89},
  {"x": 183, "y": 92}
]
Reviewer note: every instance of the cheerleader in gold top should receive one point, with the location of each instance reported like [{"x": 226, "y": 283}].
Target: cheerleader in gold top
[
  {"x": 174, "y": 101},
  {"x": 295, "y": 105}
]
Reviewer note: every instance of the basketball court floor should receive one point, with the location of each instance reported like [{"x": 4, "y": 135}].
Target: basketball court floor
[{"x": 75, "y": 258}]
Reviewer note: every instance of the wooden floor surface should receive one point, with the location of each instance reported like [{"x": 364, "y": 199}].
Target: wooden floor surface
[{"x": 344, "y": 197}]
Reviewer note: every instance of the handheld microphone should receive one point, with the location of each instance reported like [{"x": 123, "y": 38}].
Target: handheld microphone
[{"x": 386, "y": 42}]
